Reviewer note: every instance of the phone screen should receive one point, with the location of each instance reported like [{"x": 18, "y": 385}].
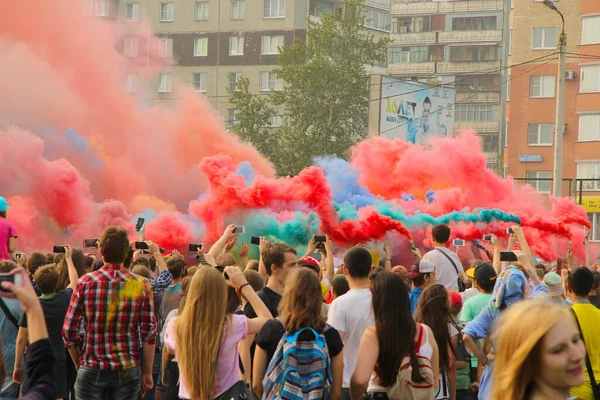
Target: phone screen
[
  {"x": 141, "y": 246},
  {"x": 195, "y": 247},
  {"x": 508, "y": 256},
  {"x": 59, "y": 249},
  {"x": 90, "y": 242},
  {"x": 458, "y": 242},
  {"x": 240, "y": 230},
  {"x": 139, "y": 224},
  {"x": 316, "y": 256},
  {"x": 320, "y": 239},
  {"x": 255, "y": 240}
]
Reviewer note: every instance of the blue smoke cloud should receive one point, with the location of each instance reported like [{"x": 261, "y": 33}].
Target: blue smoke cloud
[{"x": 342, "y": 178}]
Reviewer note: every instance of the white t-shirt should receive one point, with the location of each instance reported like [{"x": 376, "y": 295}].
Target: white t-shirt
[
  {"x": 445, "y": 274},
  {"x": 351, "y": 314}
]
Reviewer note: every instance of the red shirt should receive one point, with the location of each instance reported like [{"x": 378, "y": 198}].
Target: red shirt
[{"x": 115, "y": 310}]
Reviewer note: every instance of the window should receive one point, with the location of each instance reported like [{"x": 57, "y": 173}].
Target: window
[
  {"x": 274, "y": 8},
  {"x": 590, "y": 79},
  {"x": 378, "y": 20},
  {"x": 269, "y": 82},
  {"x": 542, "y": 86},
  {"x": 413, "y": 24},
  {"x": 132, "y": 11},
  {"x": 508, "y": 88},
  {"x": 271, "y": 44},
  {"x": 510, "y": 42},
  {"x": 275, "y": 121},
  {"x": 167, "y": 12},
  {"x": 199, "y": 81},
  {"x": 589, "y": 171},
  {"x": 416, "y": 54},
  {"x": 131, "y": 82},
  {"x": 201, "y": 10},
  {"x": 232, "y": 117},
  {"x": 130, "y": 48},
  {"x": 540, "y": 134},
  {"x": 238, "y": 9},
  {"x": 490, "y": 143},
  {"x": 474, "y": 24},
  {"x": 474, "y": 112},
  {"x": 541, "y": 186},
  {"x": 236, "y": 45},
  {"x": 101, "y": 8},
  {"x": 232, "y": 79},
  {"x": 590, "y": 30},
  {"x": 506, "y": 124},
  {"x": 544, "y": 38},
  {"x": 473, "y": 53},
  {"x": 589, "y": 127},
  {"x": 201, "y": 47},
  {"x": 165, "y": 47},
  {"x": 164, "y": 83},
  {"x": 595, "y": 232}
]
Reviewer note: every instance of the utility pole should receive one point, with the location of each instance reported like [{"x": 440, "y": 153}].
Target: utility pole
[
  {"x": 503, "y": 86},
  {"x": 559, "y": 126}
]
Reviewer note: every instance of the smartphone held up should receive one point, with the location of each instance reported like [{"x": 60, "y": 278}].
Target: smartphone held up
[{"x": 15, "y": 279}]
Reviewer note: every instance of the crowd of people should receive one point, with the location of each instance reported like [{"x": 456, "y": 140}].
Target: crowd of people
[{"x": 124, "y": 322}]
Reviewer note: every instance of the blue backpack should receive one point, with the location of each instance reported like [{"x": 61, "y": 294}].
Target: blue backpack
[{"x": 299, "y": 370}]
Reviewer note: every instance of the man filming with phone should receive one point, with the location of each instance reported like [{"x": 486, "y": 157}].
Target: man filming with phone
[{"x": 448, "y": 268}]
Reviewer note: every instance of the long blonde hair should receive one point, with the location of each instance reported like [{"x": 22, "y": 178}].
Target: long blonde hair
[
  {"x": 199, "y": 331},
  {"x": 519, "y": 346}
]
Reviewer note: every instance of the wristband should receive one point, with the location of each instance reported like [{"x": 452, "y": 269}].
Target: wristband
[
  {"x": 155, "y": 254},
  {"x": 241, "y": 287}
]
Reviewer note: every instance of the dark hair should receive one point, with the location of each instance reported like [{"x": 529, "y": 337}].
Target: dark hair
[
  {"x": 581, "y": 281},
  {"x": 396, "y": 329},
  {"x": 46, "y": 278},
  {"x": 441, "y": 233},
  {"x": 357, "y": 262},
  {"x": 274, "y": 254},
  {"x": 7, "y": 266},
  {"x": 254, "y": 279},
  {"x": 142, "y": 261},
  {"x": 176, "y": 266},
  {"x": 374, "y": 272},
  {"x": 339, "y": 284},
  {"x": 3, "y": 214},
  {"x": 63, "y": 270},
  {"x": 419, "y": 280},
  {"x": 233, "y": 300},
  {"x": 35, "y": 261},
  {"x": 427, "y": 100},
  {"x": 114, "y": 245},
  {"x": 89, "y": 263},
  {"x": 434, "y": 312},
  {"x": 98, "y": 264},
  {"x": 128, "y": 258},
  {"x": 486, "y": 286}
]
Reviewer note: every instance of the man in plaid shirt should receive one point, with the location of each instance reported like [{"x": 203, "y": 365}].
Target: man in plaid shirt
[{"x": 116, "y": 311}]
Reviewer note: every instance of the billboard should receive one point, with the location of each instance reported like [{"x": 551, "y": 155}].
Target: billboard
[{"x": 414, "y": 112}]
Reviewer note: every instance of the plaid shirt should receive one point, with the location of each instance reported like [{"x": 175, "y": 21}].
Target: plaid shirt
[
  {"x": 162, "y": 281},
  {"x": 116, "y": 309}
]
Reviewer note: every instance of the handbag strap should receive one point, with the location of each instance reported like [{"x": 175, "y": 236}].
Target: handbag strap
[
  {"x": 449, "y": 259},
  {"x": 8, "y": 314},
  {"x": 588, "y": 363}
]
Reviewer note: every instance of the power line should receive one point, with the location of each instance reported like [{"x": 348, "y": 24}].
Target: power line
[{"x": 452, "y": 104}]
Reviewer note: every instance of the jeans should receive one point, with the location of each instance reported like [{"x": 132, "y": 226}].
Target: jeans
[
  {"x": 97, "y": 384},
  {"x": 345, "y": 394}
]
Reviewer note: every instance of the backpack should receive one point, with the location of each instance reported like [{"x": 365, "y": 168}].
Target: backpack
[
  {"x": 405, "y": 388},
  {"x": 299, "y": 370}
]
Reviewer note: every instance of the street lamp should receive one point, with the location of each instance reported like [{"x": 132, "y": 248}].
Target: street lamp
[{"x": 560, "y": 103}]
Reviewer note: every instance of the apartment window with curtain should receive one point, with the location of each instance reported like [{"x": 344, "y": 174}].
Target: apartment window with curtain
[
  {"x": 474, "y": 112},
  {"x": 165, "y": 47},
  {"x": 236, "y": 45},
  {"x": 378, "y": 20},
  {"x": 474, "y": 23},
  {"x": 540, "y": 134},
  {"x": 595, "y": 231},
  {"x": 131, "y": 82},
  {"x": 413, "y": 24},
  {"x": 232, "y": 80},
  {"x": 589, "y": 127},
  {"x": 232, "y": 117},
  {"x": 132, "y": 11},
  {"x": 589, "y": 170},
  {"x": 273, "y": 8},
  {"x": 275, "y": 121},
  {"x": 201, "y": 11},
  {"x": 590, "y": 78},
  {"x": 542, "y": 86},
  {"x": 473, "y": 53},
  {"x": 541, "y": 186},
  {"x": 201, "y": 47},
  {"x": 164, "y": 82},
  {"x": 199, "y": 80},
  {"x": 167, "y": 12},
  {"x": 544, "y": 38},
  {"x": 238, "y": 9},
  {"x": 130, "y": 48},
  {"x": 270, "y": 82},
  {"x": 271, "y": 44},
  {"x": 590, "y": 30}
]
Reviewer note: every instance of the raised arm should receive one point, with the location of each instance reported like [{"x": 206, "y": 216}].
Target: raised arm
[
  {"x": 518, "y": 231},
  {"x": 496, "y": 258},
  {"x": 329, "y": 264},
  {"x": 73, "y": 275},
  {"x": 311, "y": 247},
  {"x": 589, "y": 261},
  {"x": 220, "y": 244},
  {"x": 156, "y": 254},
  {"x": 388, "y": 257},
  {"x": 264, "y": 243}
]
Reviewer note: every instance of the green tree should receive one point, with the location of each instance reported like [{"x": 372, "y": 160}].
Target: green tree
[
  {"x": 252, "y": 116},
  {"x": 325, "y": 96}
]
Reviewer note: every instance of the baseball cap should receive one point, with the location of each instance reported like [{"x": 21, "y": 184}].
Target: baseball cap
[
  {"x": 455, "y": 300},
  {"x": 484, "y": 272},
  {"x": 553, "y": 282},
  {"x": 309, "y": 262},
  {"x": 421, "y": 267},
  {"x": 3, "y": 204}
]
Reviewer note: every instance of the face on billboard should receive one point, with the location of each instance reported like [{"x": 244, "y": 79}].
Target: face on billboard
[{"x": 426, "y": 115}]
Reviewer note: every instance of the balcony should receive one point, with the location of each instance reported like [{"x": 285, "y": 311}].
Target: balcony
[
  {"x": 470, "y": 6},
  {"x": 454, "y": 67},
  {"x": 491, "y": 158},
  {"x": 470, "y": 36},
  {"x": 416, "y": 38},
  {"x": 411, "y": 68},
  {"x": 478, "y": 97},
  {"x": 379, "y": 4},
  {"x": 479, "y": 126},
  {"x": 404, "y": 9}
]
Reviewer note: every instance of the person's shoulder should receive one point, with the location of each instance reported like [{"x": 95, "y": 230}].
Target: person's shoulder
[{"x": 129, "y": 278}]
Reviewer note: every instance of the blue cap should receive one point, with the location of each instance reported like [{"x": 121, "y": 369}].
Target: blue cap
[{"x": 3, "y": 204}]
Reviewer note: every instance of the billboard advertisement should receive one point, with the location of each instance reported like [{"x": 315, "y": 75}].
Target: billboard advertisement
[{"x": 415, "y": 112}]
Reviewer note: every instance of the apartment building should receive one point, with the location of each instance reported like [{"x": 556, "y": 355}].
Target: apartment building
[
  {"x": 457, "y": 44},
  {"x": 211, "y": 43},
  {"x": 531, "y": 105}
]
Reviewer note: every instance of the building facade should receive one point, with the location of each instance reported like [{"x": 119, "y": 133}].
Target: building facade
[
  {"x": 531, "y": 105},
  {"x": 457, "y": 44},
  {"x": 208, "y": 44}
]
